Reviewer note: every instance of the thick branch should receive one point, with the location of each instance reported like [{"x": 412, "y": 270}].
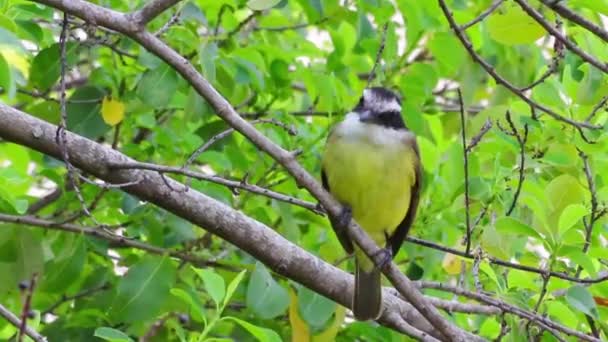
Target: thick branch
[
  {"x": 255, "y": 238},
  {"x": 224, "y": 110}
]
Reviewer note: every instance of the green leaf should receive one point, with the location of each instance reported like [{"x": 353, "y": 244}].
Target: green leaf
[
  {"x": 314, "y": 308},
  {"x": 490, "y": 328},
  {"x": 448, "y": 52},
  {"x": 514, "y": 26},
  {"x": 581, "y": 299},
  {"x": 261, "y": 334},
  {"x": 6, "y": 82},
  {"x": 579, "y": 258},
  {"x": 46, "y": 66},
  {"x": 110, "y": 334},
  {"x": 143, "y": 290},
  {"x": 600, "y": 6},
  {"x": 84, "y": 112},
  {"x": 489, "y": 271},
  {"x": 510, "y": 225},
  {"x": 208, "y": 56},
  {"x": 232, "y": 287},
  {"x": 571, "y": 215},
  {"x": 195, "y": 306},
  {"x": 260, "y": 5},
  {"x": 214, "y": 284},
  {"x": 157, "y": 86},
  {"x": 562, "y": 312},
  {"x": 265, "y": 296},
  {"x": 563, "y": 191},
  {"x": 66, "y": 268}
]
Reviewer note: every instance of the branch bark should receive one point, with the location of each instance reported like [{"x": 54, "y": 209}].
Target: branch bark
[
  {"x": 121, "y": 23},
  {"x": 14, "y": 320},
  {"x": 567, "y": 13},
  {"x": 235, "y": 227},
  {"x": 152, "y": 10}
]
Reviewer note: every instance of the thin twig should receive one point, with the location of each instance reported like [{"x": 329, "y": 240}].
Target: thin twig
[
  {"x": 532, "y": 12},
  {"x": 522, "y": 159},
  {"x": 505, "y": 263},
  {"x": 115, "y": 240},
  {"x": 220, "y": 16},
  {"x": 593, "y": 216},
  {"x": 372, "y": 73},
  {"x": 44, "y": 201},
  {"x": 81, "y": 294},
  {"x": 172, "y": 21},
  {"x": 291, "y": 27},
  {"x": 500, "y": 80},
  {"x": 558, "y": 47},
  {"x": 289, "y": 128},
  {"x": 242, "y": 24},
  {"x": 27, "y": 306},
  {"x": 543, "y": 322},
  {"x": 565, "y": 12},
  {"x": 61, "y": 135},
  {"x": 465, "y": 155},
  {"x": 483, "y": 15},
  {"x": 152, "y": 10},
  {"x": 219, "y": 180},
  {"x": 597, "y": 108},
  {"x": 477, "y": 138},
  {"x": 156, "y": 326},
  {"x": 16, "y": 322}
]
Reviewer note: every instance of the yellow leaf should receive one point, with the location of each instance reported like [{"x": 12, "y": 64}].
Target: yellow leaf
[
  {"x": 452, "y": 264},
  {"x": 329, "y": 334},
  {"x": 112, "y": 111},
  {"x": 15, "y": 59},
  {"x": 299, "y": 329}
]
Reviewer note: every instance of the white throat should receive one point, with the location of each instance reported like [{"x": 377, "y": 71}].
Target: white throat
[{"x": 351, "y": 128}]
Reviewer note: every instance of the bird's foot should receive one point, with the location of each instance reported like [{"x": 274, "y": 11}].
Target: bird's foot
[
  {"x": 383, "y": 257},
  {"x": 346, "y": 215}
]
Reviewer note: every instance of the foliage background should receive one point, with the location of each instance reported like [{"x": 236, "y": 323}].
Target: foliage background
[{"x": 300, "y": 65}]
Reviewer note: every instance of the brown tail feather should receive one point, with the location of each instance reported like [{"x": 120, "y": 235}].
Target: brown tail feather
[{"x": 367, "y": 299}]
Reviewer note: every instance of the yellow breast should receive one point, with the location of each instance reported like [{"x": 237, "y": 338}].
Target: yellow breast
[{"x": 373, "y": 174}]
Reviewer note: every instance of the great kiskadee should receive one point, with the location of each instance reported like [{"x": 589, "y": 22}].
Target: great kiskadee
[{"x": 371, "y": 165}]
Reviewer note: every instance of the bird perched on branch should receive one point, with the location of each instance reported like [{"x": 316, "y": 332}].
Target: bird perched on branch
[{"x": 371, "y": 165}]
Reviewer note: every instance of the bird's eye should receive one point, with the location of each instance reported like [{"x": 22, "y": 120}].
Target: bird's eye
[{"x": 361, "y": 101}]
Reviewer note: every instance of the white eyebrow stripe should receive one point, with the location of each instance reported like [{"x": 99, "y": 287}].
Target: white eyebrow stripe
[{"x": 380, "y": 104}]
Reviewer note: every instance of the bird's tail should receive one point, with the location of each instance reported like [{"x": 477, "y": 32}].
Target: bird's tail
[{"x": 367, "y": 299}]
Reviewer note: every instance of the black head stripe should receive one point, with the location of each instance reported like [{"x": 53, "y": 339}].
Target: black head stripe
[{"x": 390, "y": 120}]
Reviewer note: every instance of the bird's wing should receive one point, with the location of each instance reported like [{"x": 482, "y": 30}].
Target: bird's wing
[
  {"x": 396, "y": 239},
  {"x": 340, "y": 233}
]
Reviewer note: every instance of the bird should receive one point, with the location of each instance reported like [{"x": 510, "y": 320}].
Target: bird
[{"x": 371, "y": 166}]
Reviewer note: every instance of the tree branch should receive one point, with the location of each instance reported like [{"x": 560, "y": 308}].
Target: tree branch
[
  {"x": 222, "y": 181},
  {"x": 555, "y": 33},
  {"x": 483, "y": 15},
  {"x": 152, "y": 10},
  {"x": 539, "y": 320},
  {"x": 15, "y": 321},
  {"x": 121, "y": 23},
  {"x": 502, "y": 81},
  {"x": 255, "y": 238},
  {"x": 567, "y": 13}
]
